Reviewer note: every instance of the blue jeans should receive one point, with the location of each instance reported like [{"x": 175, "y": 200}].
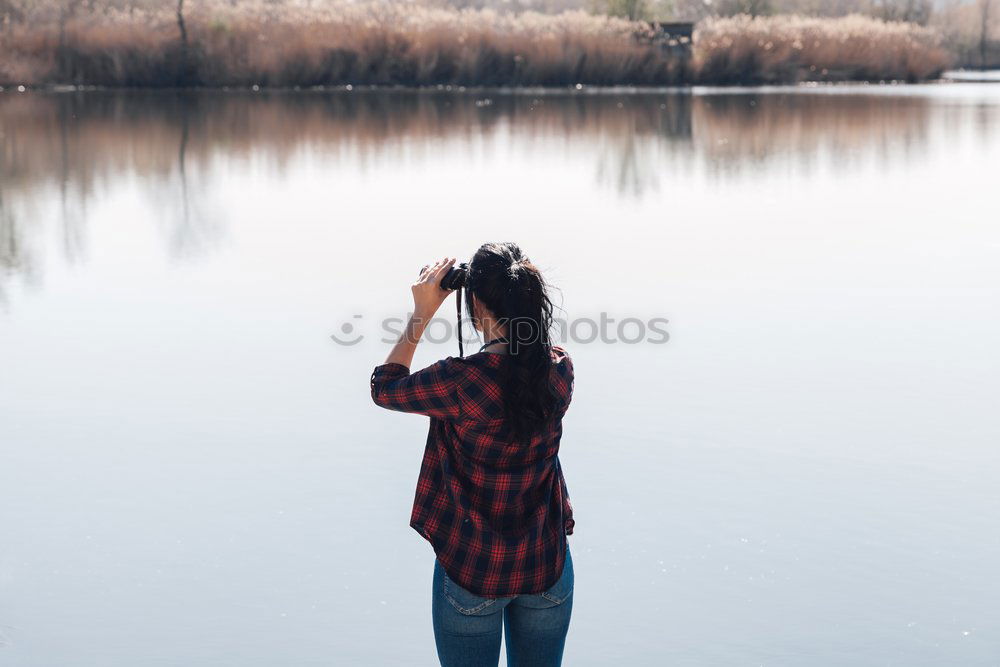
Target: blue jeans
[{"x": 467, "y": 627}]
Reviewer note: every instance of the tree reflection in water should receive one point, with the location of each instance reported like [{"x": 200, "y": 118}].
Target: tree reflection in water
[{"x": 68, "y": 146}]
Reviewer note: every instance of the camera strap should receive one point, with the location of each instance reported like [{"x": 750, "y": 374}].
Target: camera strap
[{"x": 458, "y": 310}]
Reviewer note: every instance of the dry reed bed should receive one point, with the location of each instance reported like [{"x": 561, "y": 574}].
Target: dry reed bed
[
  {"x": 783, "y": 49},
  {"x": 360, "y": 44},
  {"x": 394, "y": 44}
]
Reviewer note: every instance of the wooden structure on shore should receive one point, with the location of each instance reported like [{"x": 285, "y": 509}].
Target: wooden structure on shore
[{"x": 675, "y": 38}]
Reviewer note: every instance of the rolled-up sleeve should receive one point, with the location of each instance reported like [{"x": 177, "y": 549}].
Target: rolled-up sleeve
[{"x": 432, "y": 391}]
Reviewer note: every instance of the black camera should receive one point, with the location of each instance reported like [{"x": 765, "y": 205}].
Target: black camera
[{"x": 455, "y": 277}]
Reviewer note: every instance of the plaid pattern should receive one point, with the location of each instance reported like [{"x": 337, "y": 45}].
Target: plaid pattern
[{"x": 496, "y": 512}]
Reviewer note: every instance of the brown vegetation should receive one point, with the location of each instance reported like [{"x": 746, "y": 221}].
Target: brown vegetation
[
  {"x": 782, "y": 49},
  {"x": 216, "y": 43},
  {"x": 359, "y": 44}
]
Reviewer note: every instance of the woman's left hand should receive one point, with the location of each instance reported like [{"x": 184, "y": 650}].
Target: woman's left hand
[{"x": 427, "y": 293}]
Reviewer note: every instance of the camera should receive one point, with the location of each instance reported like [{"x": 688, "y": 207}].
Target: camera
[{"x": 455, "y": 277}]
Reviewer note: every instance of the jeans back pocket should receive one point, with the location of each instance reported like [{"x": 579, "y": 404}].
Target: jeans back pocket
[
  {"x": 558, "y": 593},
  {"x": 464, "y": 601}
]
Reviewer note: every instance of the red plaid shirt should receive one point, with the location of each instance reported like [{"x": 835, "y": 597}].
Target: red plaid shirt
[{"x": 495, "y": 511}]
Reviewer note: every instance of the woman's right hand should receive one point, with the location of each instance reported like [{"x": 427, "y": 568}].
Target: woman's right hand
[{"x": 427, "y": 293}]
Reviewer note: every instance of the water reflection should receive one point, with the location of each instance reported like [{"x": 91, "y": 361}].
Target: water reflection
[
  {"x": 817, "y": 438},
  {"x": 743, "y": 133},
  {"x": 59, "y": 152},
  {"x": 191, "y": 225},
  {"x": 13, "y": 257}
]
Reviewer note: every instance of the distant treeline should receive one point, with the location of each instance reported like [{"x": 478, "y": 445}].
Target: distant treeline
[{"x": 327, "y": 43}]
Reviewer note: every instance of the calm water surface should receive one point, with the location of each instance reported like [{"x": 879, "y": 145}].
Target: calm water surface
[{"x": 192, "y": 472}]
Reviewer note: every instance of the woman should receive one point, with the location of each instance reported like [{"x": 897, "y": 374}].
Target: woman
[{"x": 491, "y": 498}]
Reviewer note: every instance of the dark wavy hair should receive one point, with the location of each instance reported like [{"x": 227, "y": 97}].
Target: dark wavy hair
[{"x": 505, "y": 281}]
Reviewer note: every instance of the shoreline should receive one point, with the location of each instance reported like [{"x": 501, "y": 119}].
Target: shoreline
[
  {"x": 991, "y": 76},
  {"x": 392, "y": 46}
]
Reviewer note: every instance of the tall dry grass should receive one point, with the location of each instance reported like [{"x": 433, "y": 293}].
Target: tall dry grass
[
  {"x": 296, "y": 43},
  {"x": 330, "y": 44},
  {"x": 786, "y": 49}
]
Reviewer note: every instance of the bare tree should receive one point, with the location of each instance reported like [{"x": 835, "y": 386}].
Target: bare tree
[
  {"x": 751, "y": 7},
  {"x": 629, "y": 9},
  {"x": 984, "y": 30},
  {"x": 913, "y": 11},
  {"x": 181, "y": 26},
  {"x": 10, "y": 12}
]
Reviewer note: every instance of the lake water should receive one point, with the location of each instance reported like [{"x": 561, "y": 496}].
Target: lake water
[{"x": 805, "y": 473}]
